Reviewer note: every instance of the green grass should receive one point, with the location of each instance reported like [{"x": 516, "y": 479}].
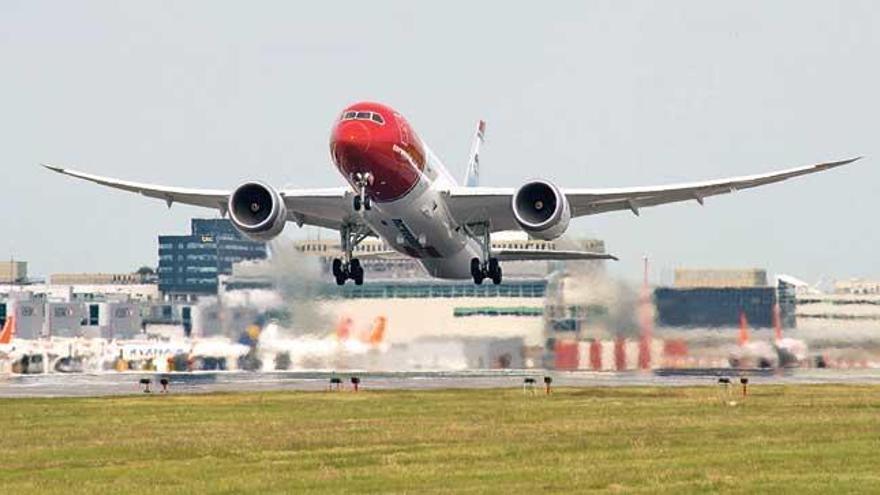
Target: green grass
[{"x": 785, "y": 439}]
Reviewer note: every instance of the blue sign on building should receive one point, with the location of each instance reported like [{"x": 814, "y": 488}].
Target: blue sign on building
[{"x": 191, "y": 264}]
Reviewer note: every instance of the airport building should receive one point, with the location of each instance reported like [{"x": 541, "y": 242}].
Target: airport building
[
  {"x": 419, "y": 308},
  {"x": 37, "y": 315},
  {"x": 190, "y": 265},
  {"x": 857, "y": 286},
  {"x": 715, "y": 298},
  {"x": 13, "y": 272},
  {"x": 98, "y": 278},
  {"x": 829, "y": 314},
  {"x": 379, "y": 261}
]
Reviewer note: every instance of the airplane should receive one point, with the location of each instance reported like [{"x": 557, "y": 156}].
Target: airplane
[
  {"x": 7, "y": 335},
  {"x": 399, "y": 190},
  {"x": 749, "y": 353},
  {"x": 308, "y": 351},
  {"x": 792, "y": 352},
  {"x": 783, "y": 352},
  {"x": 41, "y": 355}
]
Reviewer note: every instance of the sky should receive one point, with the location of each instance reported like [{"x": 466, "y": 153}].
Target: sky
[{"x": 586, "y": 94}]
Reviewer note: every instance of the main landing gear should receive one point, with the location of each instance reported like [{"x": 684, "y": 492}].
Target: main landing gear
[
  {"x": 361, "y": 200},
  {"x": 490, "y": 270},
  {"x": 352, "y": 271},
  {"x": 480, "y": 270},
  {"x": 349, "y": 268}
]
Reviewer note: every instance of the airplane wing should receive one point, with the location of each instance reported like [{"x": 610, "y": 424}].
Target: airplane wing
[
  {"x": 328, "y": 208},
  {"x": 551, "y": 255},
  {"x": 481, "y": 204}
]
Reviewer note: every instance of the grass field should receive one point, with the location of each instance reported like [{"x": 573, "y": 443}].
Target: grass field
[{"x": 785, "y": 439}]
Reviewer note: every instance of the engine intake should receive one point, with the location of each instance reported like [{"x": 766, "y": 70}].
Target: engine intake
[
  {"x": 541, "y": 210},
  {"x": 257, "y": 211}
]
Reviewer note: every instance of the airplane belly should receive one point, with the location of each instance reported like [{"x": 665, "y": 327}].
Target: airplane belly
[{"x": 418, "y": 225}]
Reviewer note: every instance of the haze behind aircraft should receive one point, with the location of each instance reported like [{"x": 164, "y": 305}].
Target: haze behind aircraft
[
  {"x": 399, "y": 191},
  {"x": 344, "y": 348},
  {"x": 782, "y": 352}
]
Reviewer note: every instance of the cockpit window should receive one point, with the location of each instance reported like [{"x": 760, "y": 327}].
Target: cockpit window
[{"x": 375, "y": 117}]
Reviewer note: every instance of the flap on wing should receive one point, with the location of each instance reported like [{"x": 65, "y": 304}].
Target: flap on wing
[{"x": 554, "y": 255}]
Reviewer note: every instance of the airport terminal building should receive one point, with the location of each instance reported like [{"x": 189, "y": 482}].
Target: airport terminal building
[
  {"x": 715, "y": 298},
  {"x": 190, "y": 265}
]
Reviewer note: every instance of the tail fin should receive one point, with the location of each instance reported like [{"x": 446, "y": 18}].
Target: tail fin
[
  {"x": 378, "y": 332},
  {"x": 777, "y": 322},
  {"x": 343, "y": 328},
  {"x": 8, "y": 330},
  {"x": 472, "y": 177},
  {"x": 743, "y": 329}
]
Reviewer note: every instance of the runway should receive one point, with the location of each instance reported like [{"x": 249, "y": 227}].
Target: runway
[{"x": 109, "y": 384}]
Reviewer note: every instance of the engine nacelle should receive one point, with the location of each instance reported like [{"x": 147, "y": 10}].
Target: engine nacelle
[
  {"x": 257, "y": 211},
  {"x": 541, "y": 210}
]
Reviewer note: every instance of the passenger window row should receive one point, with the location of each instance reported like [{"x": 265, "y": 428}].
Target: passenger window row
[{"x": 375, "y": 117}]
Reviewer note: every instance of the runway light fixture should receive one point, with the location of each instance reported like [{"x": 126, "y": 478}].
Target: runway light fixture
[
  {"x": 146, "y": 383},
  {"x": 745, "y": 386},
  {"x": 335, "y": 383},
  {"x": 529, "y": 385},
  {"x": 355, "y": 382},
  {"x": 547, "y": 381},
  {"x": 724, "y": 393},
  {"x": 164, "y": 383}
]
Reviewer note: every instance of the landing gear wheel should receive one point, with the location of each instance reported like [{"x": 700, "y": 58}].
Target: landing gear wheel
[
  {"x": 356, "y": 272},
  {"x": 356, "y": 203},
  {"x": 477, "y": 271},
  {"x": 348, "y": 267},
  {"x": 475, "y": 267},
  {"x": 496, "y": 277},
  {"x": 490, "y": 270},
  {"x": 368, "y": 203},
  {"x": 493, "y": 271}
]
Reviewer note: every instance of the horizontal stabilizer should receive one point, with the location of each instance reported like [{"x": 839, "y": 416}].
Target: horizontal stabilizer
[
  {"x": 377, "y": 255},
  {"x": 554, "y": 255}
]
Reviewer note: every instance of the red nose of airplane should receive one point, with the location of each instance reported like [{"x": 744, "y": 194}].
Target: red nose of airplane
[{"x": 352, "y": 136}]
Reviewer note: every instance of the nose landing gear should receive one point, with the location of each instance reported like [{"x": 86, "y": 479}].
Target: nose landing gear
[{"x": 361, "y": 200}]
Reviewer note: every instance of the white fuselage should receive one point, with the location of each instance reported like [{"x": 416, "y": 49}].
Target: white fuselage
[{"x": 419, "y": 225}]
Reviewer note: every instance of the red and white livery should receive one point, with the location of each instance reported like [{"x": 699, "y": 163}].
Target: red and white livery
[{"x": 399, "y": 191}]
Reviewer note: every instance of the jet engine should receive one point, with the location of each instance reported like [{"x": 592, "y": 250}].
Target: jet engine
[
  {"x": 541, "y": 210},
  {"x": 257, "y": 211}
]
